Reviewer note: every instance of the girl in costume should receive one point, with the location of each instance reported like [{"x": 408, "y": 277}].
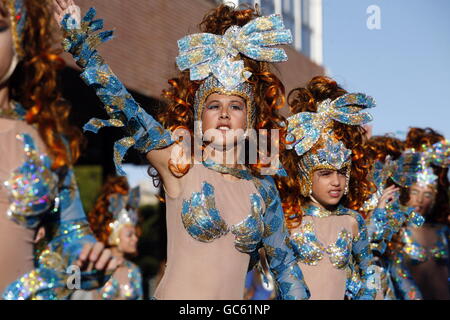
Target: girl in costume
[
  {"x": 38, "y": 148},
  {"x": 386, "y": 218},
  {"x": 327, "y": 182},
  {"x": 423, "y": 172},
  {"x": 219, "y": 213},
  {"x": 114, "y": 222}
]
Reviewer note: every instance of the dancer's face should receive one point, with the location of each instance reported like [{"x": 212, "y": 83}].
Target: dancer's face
[
  {"x": 128, "y": 240},
  {"x": 224, "y": 119},
  {"x": 421, "y": 198},
  {"x": 6, "y": 43},
  {"x": 328, "y": 186}
]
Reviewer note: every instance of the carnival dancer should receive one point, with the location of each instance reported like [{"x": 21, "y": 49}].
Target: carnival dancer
[
  {"x": 219, "y": 213},
  {"x": 38, "y": 148},
  {"x": 386, "y": 218},
  {"x": 422, "y": 171},
  {"x": 114, "y": 221},
  {"x": 327, "y": 181}
]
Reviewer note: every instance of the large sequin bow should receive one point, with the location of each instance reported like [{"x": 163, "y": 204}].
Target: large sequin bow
[
  {"x": 32, "y": 188},
  {"x": 305, "y": 128},
  {"x": 206, "y": 53}
]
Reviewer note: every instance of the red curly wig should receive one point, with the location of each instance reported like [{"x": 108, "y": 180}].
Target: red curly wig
[
  {"x": 99, "y": 217},
  {"x": 269, "y": 91},
  {"x": 34, "y": 85},
  {"x": 420, "y": 139},
  {"x": 307, "y": 99},
  {"x": 379, "y": 147}
]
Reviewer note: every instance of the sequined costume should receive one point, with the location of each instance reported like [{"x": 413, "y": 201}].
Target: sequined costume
[
  {"x": 349, "y": 254},
  {"x": 125, "y": 284},
  {"x": 35, "y": 194},
  {"x": 338, "y": 259},
  {"x": 382, "y": 225},
  {"x": 207, "y": 217},
  {"x": 126, "y": 281},
  {"x": 414, "y": 168}
]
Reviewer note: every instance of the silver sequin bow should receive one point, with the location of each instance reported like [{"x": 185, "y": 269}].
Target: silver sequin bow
[
  {"x": 305, "y": 128},
  {"x": 205, "y": 53}
]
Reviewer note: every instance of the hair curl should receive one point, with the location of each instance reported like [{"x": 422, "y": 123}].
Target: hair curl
[
  {"x": 307, "y": 99},
  {"x": 99, "y": 217},
  {"x": 379, "y": 147},
  {"x": 421, "y": 139},
  {"x": 34, "y": 85},
  {"x": 269, "y": 90}
]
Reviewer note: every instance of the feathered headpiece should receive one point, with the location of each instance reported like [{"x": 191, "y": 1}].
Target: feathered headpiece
[
  {"x": 311, "y": 136},
  {"x": 124, "y": 213},
  {"x": 415, "y": 167},
  {"x": 216, "y": 58}
]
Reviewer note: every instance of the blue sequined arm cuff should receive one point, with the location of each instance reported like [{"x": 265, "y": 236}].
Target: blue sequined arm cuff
[
  {"x": 280, "y": 256},
  {"x": 363, "y": 259},
  {"x": 145, "y": 133}
]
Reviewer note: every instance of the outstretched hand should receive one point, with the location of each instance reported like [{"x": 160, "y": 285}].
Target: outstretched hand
[{"x": 63, "y": 7}]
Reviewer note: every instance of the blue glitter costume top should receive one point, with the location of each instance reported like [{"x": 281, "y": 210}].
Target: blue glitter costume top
[
  {"x": 203, "y": 223},
  {"x": 54, "y": 196},
  {"x": 416, "y": 253},
  {"x": 349, "y": 252}
]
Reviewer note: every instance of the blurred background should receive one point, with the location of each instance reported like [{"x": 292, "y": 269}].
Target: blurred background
[{"x": 394, "y": 50}]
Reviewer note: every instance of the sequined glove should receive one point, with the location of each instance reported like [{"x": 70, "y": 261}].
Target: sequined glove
[{"x": 145, "y": 133}]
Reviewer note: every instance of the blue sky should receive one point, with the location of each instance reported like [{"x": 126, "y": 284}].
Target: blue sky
[{"x": 405, "y": 65}]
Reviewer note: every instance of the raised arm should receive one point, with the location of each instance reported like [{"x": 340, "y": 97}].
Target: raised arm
[{"x": 144, "y": 133}]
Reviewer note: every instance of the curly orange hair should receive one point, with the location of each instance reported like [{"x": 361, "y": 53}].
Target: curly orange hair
[
  {"x": 307, "y": 99},
  {"x": 421, "y": 139},
  {"x": 379, "y": 147},
  {"x": 34, "y": 85},
  {"x": 269, "y": 90},
  {"x": 99, "y": 217}
]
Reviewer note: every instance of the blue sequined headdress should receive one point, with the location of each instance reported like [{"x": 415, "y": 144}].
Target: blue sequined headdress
[
  {"x": 311, "y": 136},
  {"x": 415, "y": 167},
  {"x": 124, "y": 213},
  {"x": 17, "y": 13},
  {"x": 216, "y": 58}
]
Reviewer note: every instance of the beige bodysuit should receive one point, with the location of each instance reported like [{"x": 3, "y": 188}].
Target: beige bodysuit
[{"x": 207, "y": 248}]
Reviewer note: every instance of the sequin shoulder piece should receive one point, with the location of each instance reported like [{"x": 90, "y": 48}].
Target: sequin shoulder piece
[
  {"x": 203, "y": 222},
  {"x": 145, "y": 133},
  {"x": 32, "y": 188},
  {"x": 416, "y": 253},
  {"x": 130, "y": 291}
]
